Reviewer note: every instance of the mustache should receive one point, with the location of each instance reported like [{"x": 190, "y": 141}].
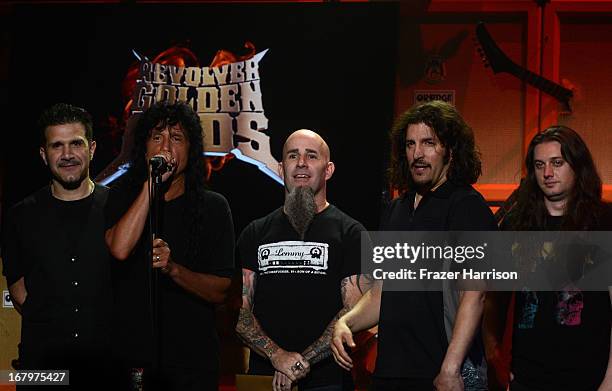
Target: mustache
[
  {"x": 419, "y": 162},
  {"x": 69, "y": 162}
]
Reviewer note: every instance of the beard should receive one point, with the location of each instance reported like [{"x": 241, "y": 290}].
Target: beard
[
  {"x": 300, "y": 208},
  {"x": 70, "y": 184}
]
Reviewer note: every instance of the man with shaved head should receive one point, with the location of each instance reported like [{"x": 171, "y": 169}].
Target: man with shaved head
[{"x": 303, "y": 258}]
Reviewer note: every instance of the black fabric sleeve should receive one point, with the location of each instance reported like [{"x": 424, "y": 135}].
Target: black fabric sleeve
[
  {"x": 247, "y": 248},
  {"x": 351, "y": 250},
  {"x": 13, "y": 266},
  {"x": 383, "y": 222},
  {"x": 471, "y": 213},
  {"x": 220, "y": 256}
]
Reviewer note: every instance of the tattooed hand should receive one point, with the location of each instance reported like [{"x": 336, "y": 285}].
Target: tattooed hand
[{"x": 284, "y": 361}]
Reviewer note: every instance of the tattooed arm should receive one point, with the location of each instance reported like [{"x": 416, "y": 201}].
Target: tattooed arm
[
  {"x": 250, "y": 331},
  {"x": 351, "y": 289}
]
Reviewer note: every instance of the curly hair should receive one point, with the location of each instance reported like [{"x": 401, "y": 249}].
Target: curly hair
[
  {"x": 584, "y": 205},
  {"x": 61, "y": 114},
  {"x": 452, "y": 131},
  {"x": 159, "y": 116}
]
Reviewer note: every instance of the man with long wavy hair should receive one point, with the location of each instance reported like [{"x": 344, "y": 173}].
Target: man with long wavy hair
[
  {"x": 560, "y": 340},
  {"x": 193, "y": 251},
  {"x": 426, "y": 339}
]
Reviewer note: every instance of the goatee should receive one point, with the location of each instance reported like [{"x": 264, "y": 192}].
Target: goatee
[
  {"x": 70, "y": 184},
  {"x": 300, "y": 208}
]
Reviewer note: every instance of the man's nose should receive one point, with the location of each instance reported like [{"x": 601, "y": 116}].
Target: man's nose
[
  {"x": 418, "y": 151},
  {"x": 301, "y": 161},
  {"x": 66, "y": 151},
  {"x": 165, "y": 144},
  {"x": 548, "y": 171}
]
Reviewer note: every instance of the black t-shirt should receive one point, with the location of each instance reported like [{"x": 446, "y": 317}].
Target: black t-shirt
[
  {"x": 187, "y": 323},
  {"x": 58, "y": 248},
  {"x": 412, "y": 336},
  {"x": 297, "y": 290},
  {"x": 561, "y": 340}
]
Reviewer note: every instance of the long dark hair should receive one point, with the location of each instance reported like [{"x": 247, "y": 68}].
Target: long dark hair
[
  {"x": 452, "y": 131},
  {"x": 163, "y": 114},
  {"x": 584, "y": 204}
]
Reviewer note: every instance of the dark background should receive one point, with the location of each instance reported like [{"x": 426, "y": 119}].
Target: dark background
[{"x": 330, "y": 68}]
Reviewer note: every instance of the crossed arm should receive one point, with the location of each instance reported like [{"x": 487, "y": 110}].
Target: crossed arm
[
  {"x": 250, "y": 331},
  {"x": 351, "y": 289}
]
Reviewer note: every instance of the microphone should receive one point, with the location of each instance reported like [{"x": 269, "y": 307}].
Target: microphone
[{"x": 159, "y": 165}]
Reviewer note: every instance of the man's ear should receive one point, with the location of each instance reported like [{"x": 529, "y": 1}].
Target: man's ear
[
  {"x": 92, "y": 149},
  {"x": 329, "y": 170},
  {"x": 43, "y": 156},
  {"x": 281, "y": 170}
]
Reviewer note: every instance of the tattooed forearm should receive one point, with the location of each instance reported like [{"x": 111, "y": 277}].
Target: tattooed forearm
[
  {"x": 247, "y": 294},
  {"x": 250, "y": 332},
  {"x": 350, "y": 291},
  {"x": 320, "y": 349},
  {"x": 248, "y": 327}
]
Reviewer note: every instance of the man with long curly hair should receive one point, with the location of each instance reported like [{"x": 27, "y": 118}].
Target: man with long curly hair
[
  {"x": 560, "y": 340},
  {"x": 193, "y": 251},
  {"x": 427, "y": 339}
]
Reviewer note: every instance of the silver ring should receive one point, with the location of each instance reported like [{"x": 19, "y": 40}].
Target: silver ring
[
  {"x": 297, "y": 366},
  {"x": 157, "y": 258}
]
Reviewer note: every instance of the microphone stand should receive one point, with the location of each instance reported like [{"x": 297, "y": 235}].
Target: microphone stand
[{"x": 156, "y": 200}]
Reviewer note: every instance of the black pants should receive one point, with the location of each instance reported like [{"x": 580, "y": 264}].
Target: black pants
[
  {"x": 186, "y": 379},
  {"x": 514, "y": 386},
  {"x": 401, "y": 384},
  {"x": 88, "y": 370}
]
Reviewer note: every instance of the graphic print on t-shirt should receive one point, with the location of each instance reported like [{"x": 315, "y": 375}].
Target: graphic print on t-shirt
[
  {"x": 530, "y": 308},
  {"x": 293, "y": 257},
  {"x": 569, "y": 307}
]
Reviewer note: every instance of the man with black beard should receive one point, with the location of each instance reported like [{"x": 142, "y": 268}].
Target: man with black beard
[
  {"x": 300, "y": 273},
  {"x": 55, "y": 260}
]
